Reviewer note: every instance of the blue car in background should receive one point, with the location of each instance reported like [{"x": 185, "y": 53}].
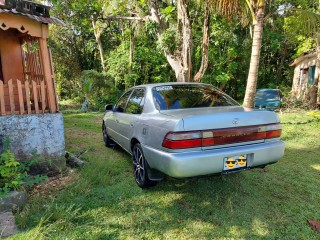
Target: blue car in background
[{"x": 268, "y": 99}]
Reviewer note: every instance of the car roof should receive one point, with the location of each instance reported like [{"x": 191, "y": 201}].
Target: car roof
[
  {"x": 169, "y": 83},
  {"x": 267, "y": 89}
]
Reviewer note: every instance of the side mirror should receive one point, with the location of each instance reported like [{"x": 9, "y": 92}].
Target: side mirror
[{"x": 109, "y": 107}]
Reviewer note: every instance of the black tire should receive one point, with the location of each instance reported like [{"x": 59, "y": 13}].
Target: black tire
[
  {"x": 107, "y": 140},
  {"x": 140, "y": 172}
]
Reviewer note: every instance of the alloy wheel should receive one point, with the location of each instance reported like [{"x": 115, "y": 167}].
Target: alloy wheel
[{"x": 138, "y": 166}]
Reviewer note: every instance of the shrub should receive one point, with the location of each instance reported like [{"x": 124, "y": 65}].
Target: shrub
[
  {"x": 13, "y": 174},
  {"x": 315, "y": 115}
]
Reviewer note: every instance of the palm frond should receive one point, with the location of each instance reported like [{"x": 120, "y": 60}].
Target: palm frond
[
  {"x": 233, "y": 8},
  {"x": 226, "y": 7},
  {"x": 307, "y": 22}
]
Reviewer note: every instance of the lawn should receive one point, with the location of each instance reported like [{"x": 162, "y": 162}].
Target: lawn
[{"x": 102, "y": 201}]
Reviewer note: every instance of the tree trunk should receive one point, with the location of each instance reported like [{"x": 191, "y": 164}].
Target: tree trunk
[
  {"x": 180, "y": 61},
  {"x": 205, "y": 45},
  {"x": 184, "y": 28},
  {"x": 176, "y": 65},
  {"x": 315, "y": 86},
  {"x": 154, "y": 12},
  {"x": 97, "y": 34},
  {"x": 255, "y": 58},
  {"x": 131, "y": 50}
]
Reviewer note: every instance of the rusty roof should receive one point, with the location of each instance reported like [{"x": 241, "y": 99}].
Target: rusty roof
[{"x": 47, "y": 20}]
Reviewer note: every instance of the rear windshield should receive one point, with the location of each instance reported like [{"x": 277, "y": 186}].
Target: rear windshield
[
  {"x": 190, "y": 96},
  {"x": 268, "y": 94}
]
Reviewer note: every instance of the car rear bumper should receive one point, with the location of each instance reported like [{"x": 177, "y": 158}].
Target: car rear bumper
[{"x": 203, "y": 162}]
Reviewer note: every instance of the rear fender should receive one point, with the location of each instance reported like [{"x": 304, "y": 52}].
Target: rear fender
[{"x": 154, "y": 174}]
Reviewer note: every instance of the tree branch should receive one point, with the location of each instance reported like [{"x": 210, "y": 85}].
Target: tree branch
[{"x": 112, "y": 18}]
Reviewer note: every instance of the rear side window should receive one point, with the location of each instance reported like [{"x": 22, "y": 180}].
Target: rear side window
[
  {"x": 190, "y": 96},
  {"x": 136, "y": 102}
]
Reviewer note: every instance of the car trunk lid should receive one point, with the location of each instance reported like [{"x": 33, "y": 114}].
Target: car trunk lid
[
  {"x": 221, "y": 117},
  {"x": 227, "y": 125}
]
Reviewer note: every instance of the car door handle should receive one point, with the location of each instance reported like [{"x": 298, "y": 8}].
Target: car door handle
[{"x": 131, "y": 125}]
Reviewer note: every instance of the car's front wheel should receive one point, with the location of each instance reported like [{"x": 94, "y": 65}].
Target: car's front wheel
[{"x": 140, "y": 172}]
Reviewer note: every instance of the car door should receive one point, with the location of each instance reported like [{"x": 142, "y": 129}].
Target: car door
[
  {"x": 112, "y": 124},
  {"x": 127, "y": 120}
]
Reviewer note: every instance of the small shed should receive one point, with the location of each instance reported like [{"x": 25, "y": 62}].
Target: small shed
[
  {"x": 29, "y": 112},
  {"x": 305, "y": 73}
]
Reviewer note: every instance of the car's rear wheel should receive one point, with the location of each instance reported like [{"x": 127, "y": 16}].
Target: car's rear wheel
[
  {"x": 107, "y": 140},
  {"x": 140, "y": 172}
]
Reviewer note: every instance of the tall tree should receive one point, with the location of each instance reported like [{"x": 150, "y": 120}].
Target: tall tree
[
  {"x": 256, "y": 9},
  {"x": 170, "y": 32},
  {"x": 305, "y": 20},
  {"x": 98, "y": 28},
  {"x": 180, "y": 59},
  {"x": 205, "y": 44}
]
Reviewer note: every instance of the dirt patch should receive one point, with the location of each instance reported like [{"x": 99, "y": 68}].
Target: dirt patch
[{"x": 54, "y": 184}]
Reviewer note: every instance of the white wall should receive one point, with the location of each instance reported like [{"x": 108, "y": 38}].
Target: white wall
[{"x": 42, "y": 134}]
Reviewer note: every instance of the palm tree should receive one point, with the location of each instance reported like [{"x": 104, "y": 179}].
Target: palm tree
[{"x": 255, "y": 8}]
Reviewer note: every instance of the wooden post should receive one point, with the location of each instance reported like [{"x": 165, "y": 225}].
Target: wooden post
[
  {"x": 20, "y": 97},
  {"x": 11, "y": 96},
  {"x": 2, "y": 105},
  {"x": 45, "y": 61},
  {"x": 53, "y": 78},
  {"x": 35, "y": 96},
  {"x": 43, "y": 96},
  {"x": 27, "y": 88}
]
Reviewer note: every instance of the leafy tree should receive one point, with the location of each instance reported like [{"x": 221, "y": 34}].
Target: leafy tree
[
  {"x": 303, "y": 25},
  {"x": 149, "y": 65},
  {"x": 143, "y": 42},
  {"x": 256, "y": 9}
]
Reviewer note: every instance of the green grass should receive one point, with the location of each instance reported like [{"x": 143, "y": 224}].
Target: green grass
[{"x": 103, "y": 201}]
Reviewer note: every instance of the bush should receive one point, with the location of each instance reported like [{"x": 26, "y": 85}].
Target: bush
[
  {"x": 315, "y": 115},
  {"x": 13, "y": 174}
]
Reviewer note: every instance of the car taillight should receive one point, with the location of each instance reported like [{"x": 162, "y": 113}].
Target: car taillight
[
  {"x": 273, "y": 130},
  {"x": 180, "y": 140}
]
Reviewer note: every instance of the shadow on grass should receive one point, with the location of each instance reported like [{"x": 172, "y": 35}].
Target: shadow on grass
[
  {"x": 105, "y": 203},
  {"x": 270, "y": 203}
]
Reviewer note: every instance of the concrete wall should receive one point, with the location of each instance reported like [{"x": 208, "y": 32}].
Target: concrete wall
[{"x": 42, "y": 134}]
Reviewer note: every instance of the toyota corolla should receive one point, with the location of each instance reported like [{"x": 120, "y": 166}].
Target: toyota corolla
[{"x": 190, "y": 129}]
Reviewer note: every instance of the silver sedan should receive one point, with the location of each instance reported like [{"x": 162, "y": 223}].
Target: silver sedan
[{"x": 190, "y": 129}]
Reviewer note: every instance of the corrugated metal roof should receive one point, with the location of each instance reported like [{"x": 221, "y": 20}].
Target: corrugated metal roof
[{"x": 50, "y": 20}]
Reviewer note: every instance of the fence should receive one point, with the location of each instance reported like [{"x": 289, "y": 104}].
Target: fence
[{"x": 23, "y": 98}]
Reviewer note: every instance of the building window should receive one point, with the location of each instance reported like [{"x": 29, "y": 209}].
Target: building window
[
  {"x": 1, "y": 74},
  {"x": 312, "y": 72}
]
